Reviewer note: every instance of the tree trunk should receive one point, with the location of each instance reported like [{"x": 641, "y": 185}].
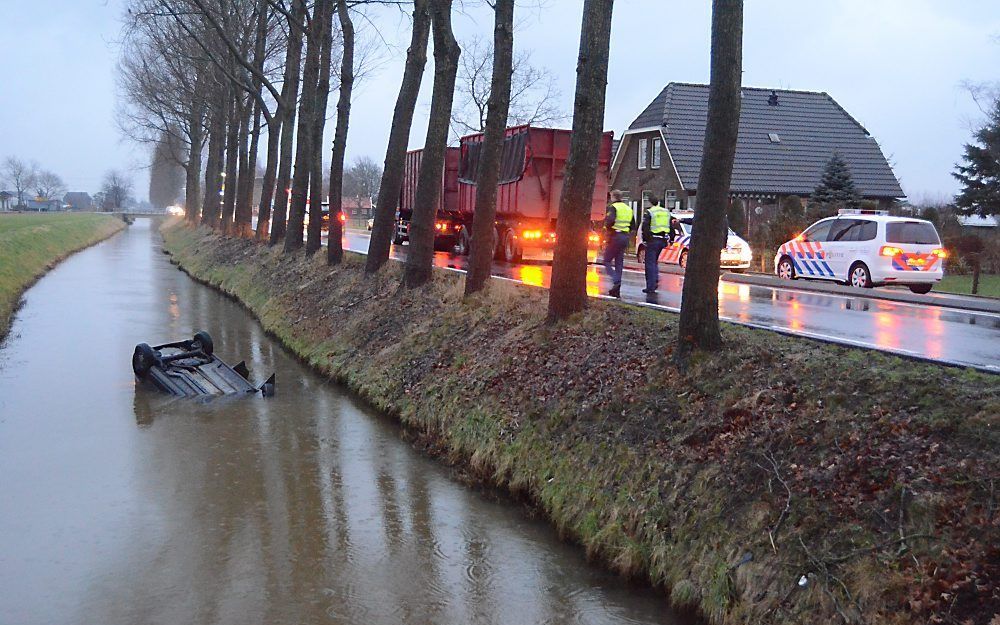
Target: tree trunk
[
  {"x": 244, "y": 184},
  {"x": 334, "y": 244},
  {"x": 232, "y": 165},
  {"x": 192, "y": 181},
  {"x": 976, "y": 268},
  {"x": 568, "y": 292},
  {"x": 399, "y": 134},
  {"x": 481, "y": 252},
  {"x": 420, "y": 258},
  {"x": 270, "y": 173},
  {"x": 324, "y": 13},
  {"x": 699, "y": 321},
  {"x": 303, "y": 147},
  {"x": 289, "y": 91},
  {"x": 247, "y": 231},
  {"x": 216, "y": 157}
]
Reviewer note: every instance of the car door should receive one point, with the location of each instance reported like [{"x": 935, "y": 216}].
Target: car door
[
  {"x": 809, "y": 255},
  {"x": 842, "y": 245}
]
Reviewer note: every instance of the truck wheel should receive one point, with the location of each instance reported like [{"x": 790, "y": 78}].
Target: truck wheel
[
  {"x": 509, "y": 248},
  {"x": 143, "y": 359},
  {"x": 204, "y": 341},
  {"x": 396, "y": 238},
  {"x": 464, "y": 242}
]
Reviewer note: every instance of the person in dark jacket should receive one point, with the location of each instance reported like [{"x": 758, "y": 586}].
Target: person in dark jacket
[
  {"x": 620, "y": 222},
  {"x": 656, "y": 227}
]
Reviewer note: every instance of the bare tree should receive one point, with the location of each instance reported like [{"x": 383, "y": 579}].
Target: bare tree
[
  {"x": 568, "y": 291},
  {"x": 534, "y": 92},
  {"x": 419, "y": 260},
  {"x": 334, "y": 249},
  {"x": 19, "y": 174},
  {"x": 47, "y": 185},
  {"x": 116, "y": 189},
  {"x": 483, "y": 230},
  {"x": 699, "y": 322},
  {"x": 322, "y": 97},
  {"x": 166, "y": 175},
  {"x": 399, "y": 134},
  {"x": 362, "y": 178}
]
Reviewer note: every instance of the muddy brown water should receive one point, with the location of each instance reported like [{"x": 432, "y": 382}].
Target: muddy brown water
[{"x": 118, "y": 505}]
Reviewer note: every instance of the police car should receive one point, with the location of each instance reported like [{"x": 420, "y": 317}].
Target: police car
[
  {"x": 736, "y": 255},
  {"x": 865, "y": 249}
]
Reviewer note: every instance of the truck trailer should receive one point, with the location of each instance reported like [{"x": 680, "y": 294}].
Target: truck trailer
[{"x": 532, "y": 169}]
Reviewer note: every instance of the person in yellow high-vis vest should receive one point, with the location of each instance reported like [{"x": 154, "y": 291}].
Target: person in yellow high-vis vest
[
  {"x": 619, "y": 221},
  {"x": 656, "y": 236}
]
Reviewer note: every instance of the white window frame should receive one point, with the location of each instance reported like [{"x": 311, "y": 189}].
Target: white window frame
[
  {"x": 643, "y": 153},
  {"x": 670, "y": 199},
  {"x": 657, "y": 154}
]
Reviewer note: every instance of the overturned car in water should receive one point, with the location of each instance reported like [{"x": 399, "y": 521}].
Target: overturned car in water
[{"x": 191, "y": 368}]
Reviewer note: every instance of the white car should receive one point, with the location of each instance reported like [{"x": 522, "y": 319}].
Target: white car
[
  {"x": 865, "y": 249},
  {"x": 736, "y": 255}
]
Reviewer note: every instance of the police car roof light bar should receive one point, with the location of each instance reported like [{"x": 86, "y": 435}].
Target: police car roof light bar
[{"x": 861, "y": 211}]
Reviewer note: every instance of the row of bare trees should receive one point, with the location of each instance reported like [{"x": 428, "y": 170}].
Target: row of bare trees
[
  {"x": 214, "y": 75},
  {"x": 27, "y": 179}
]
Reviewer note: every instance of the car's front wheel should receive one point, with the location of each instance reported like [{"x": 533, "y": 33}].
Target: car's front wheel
[
  {"x": 683, "y": 260},
  {"x": 861, "y": 277},
  {"x": 786, "y": 270}
]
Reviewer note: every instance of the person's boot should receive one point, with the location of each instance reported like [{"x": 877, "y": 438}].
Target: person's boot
[{"x": 616, "y": 291}]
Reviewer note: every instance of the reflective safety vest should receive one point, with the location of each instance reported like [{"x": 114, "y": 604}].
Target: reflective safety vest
[
  {"x": 659, "y": 220},
  {"x": 623, "y": 217}
]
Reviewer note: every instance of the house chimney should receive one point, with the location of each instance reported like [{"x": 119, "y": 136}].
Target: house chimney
[{"x": 773, "y": 99}]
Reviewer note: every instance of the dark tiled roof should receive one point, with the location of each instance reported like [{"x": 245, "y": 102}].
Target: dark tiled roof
[{"x": 811, "y": 127}]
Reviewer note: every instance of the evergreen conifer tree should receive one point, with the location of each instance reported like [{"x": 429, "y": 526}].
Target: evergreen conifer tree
[
  {"x": 836, "y": 188},
  {"x": 980, "y": 175}
]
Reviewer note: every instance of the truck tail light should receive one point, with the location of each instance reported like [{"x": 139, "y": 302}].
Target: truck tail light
[
  {"x": 890, "y": 251},
  {"x": 531, "y": 235},
  {"x": 342, "y": 217},
  {"x": 940, "y": 252},
  {"x": 594, "y": 238},
  {"x": 440, "y": 226}
]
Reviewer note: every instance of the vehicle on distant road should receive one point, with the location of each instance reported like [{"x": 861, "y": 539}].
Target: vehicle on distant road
[
  {"x": 864, "y": 249},
  {"x": 532, "y": 171},
  {"x": 736, "y": 256}
]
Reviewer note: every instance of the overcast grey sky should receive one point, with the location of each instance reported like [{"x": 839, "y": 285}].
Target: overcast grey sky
[{"x": 895, "y": 65}]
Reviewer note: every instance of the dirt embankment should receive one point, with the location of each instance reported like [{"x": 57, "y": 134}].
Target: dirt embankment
[
  {"x": 780, "y": 481},
  {"x": 31, "y": 244}
]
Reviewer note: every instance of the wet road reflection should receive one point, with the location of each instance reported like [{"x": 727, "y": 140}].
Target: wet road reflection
[
  {"x": 123, "y": 506},
  {"x": 951, "y": 335}
]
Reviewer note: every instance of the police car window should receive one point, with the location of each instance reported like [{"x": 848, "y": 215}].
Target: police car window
[
  {"x": 912, "y": 232},
  {"x": 818, "y": 232},
  {"x": 868, "y": 231},
  {"x": 844, "y": 230}
]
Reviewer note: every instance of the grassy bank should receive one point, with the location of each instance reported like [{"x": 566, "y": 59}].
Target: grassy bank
[
  {"x": 989, "y": 285},
  {"x": 30, "y": 244},
  {"x": 870, "y": 476}
]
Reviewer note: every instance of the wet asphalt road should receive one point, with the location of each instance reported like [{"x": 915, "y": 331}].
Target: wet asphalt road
[
  {"x": 948, "y": 335},
  {"x": 121, "y": 506}
]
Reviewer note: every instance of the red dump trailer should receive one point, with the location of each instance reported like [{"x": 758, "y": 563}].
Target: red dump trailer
[
  {"x": 447, "y": 199},
  {"x": 532, "y": 170}
]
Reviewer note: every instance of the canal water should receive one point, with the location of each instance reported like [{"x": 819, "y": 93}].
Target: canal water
[{"x": 118, "y": 505}]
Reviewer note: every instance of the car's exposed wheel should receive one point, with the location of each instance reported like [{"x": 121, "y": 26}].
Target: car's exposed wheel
[
  {"x": 921, "y": 289},
  {"x": 464, "y": 242},
  {"x": 860, "y": 277},
  {"x": 397, "y": 239},
  {"x": 203, "y": 341},
  {"x": 786, "y": 269},
  {"x": 683, "y": 260},
  {"x": 640, "y": 255},
  {"x": 143, "y": 359}
]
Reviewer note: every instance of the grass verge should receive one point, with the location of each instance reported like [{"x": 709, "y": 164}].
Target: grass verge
[
  {"x": 989, "y": 285},
  {"x": 779, "y": 481},
  {"x": 31, "y": 244}
]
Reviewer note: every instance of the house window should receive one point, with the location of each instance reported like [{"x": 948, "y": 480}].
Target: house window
[
  {"x": 690, "y": 202},
  {"x": 670, "y": 200},
  {"x": 657, "y": 147},
  {"x": 646, "y": 201},
  {"x": 643, "y": 152}
]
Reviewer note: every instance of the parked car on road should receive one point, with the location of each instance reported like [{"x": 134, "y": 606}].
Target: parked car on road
[
  {"x": 865, "y": 249},
  {"x": 737, "y": 254}
]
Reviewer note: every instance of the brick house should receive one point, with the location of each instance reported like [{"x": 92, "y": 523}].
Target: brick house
[{"x": 785, "y": 140}]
